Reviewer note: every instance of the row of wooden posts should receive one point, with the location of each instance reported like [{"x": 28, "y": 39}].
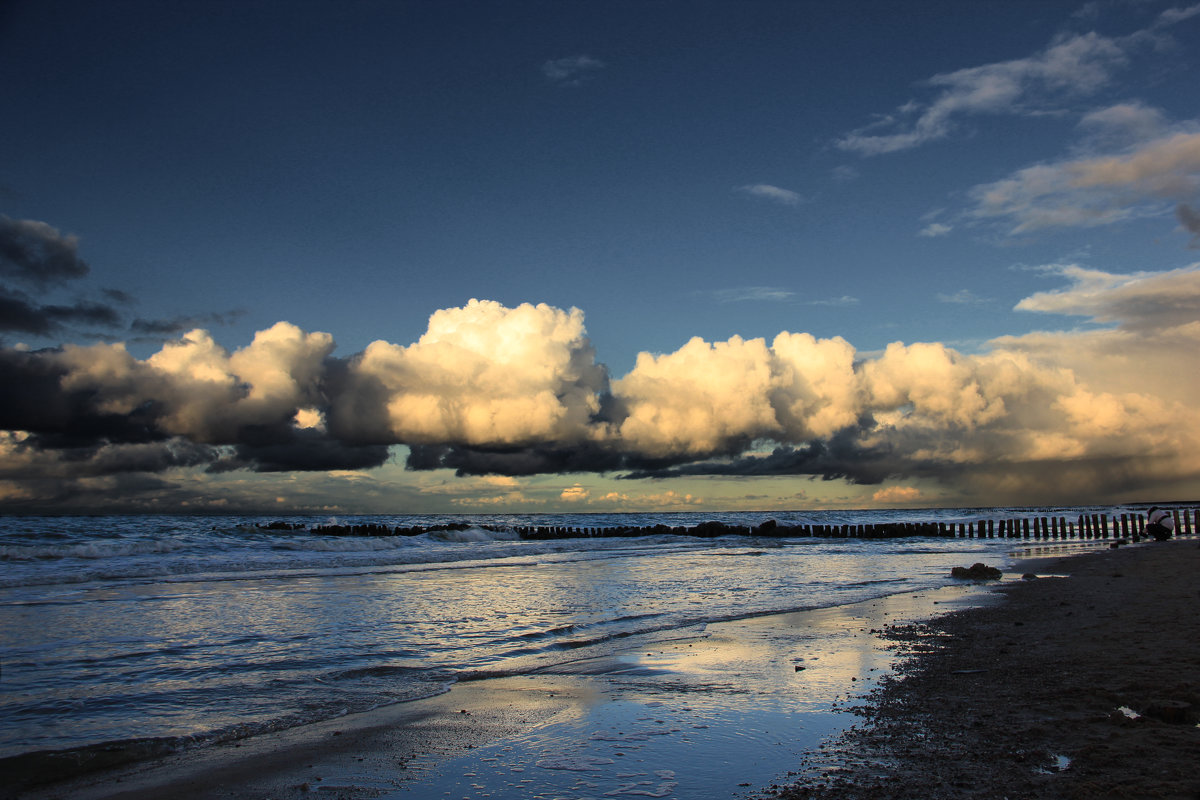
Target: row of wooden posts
[{"x": 1094, "y": 526}]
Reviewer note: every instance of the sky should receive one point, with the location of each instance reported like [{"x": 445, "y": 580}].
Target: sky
[{"x": 439, "y": 257}]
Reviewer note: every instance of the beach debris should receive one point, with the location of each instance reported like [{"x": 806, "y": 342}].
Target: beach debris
[
  {"x": 1059, "y": 764},
  {"x": 976, "y": 572},
  {"x": 1124, "y": 715}
]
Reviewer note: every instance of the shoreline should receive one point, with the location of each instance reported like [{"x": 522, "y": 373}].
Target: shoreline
[
  {"x": 960, "y": 670},
  {"x": 767, "y": 684},
  {"x": 1074, "y": 687}
]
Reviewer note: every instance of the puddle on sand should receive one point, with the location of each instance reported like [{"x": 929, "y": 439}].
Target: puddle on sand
[
  {"x": 703, "y": 717},
  {"x": 634, "y": 748}
]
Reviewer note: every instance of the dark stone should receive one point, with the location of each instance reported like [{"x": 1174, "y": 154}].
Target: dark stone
[{"x": 976, "y": 572}]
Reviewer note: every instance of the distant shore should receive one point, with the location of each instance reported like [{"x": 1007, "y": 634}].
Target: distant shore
[{"x": 1082, "y": 686}]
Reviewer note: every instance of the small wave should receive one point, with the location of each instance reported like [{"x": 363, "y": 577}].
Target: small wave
[
  {"x": 386, "y": 671},
  {"x": 88, "y": 550},
  {"x": 348, "y": 544},
  {"x": 473, "y": 536}
]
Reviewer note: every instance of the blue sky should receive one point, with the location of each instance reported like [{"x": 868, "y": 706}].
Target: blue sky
[{"x": 1004, "y": 194}]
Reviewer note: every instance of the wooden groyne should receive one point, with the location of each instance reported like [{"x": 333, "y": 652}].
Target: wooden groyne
[{"x": 1131, "y": 526}]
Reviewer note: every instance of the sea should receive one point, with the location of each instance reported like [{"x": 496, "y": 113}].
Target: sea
[{"x": 182, "y": 631}]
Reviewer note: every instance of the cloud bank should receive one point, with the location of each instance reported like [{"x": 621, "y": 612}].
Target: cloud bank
[{"x": 493, "y": 390}]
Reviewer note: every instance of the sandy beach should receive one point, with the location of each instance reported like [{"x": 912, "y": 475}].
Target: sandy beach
[
  {"x": 1082, "y": 686},
  {"x": 1080, "y": 683}
]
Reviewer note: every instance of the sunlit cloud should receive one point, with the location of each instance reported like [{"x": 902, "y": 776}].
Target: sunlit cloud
[
  {"x": 1147, "y": 180},
  {"x": 574, "y": 494},
  {"x": 897, "y": 494},
  {"x": 935, "y": 229},
  {"x": 496, "y": 393}
]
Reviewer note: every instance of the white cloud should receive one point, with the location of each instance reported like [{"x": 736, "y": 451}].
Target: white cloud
[
  {"x": 1175, "y": 15},
  {"x": 1079, "y": 65},
  {"x": 774, "y": 193},
  {"x": 845, "y": 174},
  {"x": 961, "y": 297},
  {"x": 935, "y": 229},
  {"x": 753, "y": 293},
  {"x": 1121, "y": 125},
  {"x": 572, "y": 70},
  {"x": 844, "y": 300},
  {"x": 485, "y": 374},
  {"x": 1100, "y": 190}
]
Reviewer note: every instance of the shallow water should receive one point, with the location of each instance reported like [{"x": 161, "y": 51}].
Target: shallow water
[{"x": 206, "y": 628}]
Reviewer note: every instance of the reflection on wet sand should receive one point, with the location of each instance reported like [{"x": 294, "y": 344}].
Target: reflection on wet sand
[{"x": 684, "y": 714}]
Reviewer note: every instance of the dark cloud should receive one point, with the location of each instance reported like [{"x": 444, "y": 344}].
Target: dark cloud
[
  {"x": 286, "y": 449},
  {"x": 36, "y": 254},
  {"x": 842, "y": 456},
  {"x": 60, "y": 419},
  {"x": 1189, "y": 218},
  {"x": 21, "y": 315},
  {"x": 176, "y": 325},
  {"x": 515, "y": 461}
]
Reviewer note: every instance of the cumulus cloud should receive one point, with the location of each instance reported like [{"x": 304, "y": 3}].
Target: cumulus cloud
[
  {"x": 486, "y": 375},
  {"x": 773, "y": 193},
  {"x": 496, "y": 391}
]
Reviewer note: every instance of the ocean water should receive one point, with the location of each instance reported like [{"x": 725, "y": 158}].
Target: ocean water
[{"x": 177, "y": 631}]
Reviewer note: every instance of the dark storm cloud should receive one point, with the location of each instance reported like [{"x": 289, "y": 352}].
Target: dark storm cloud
[
  {"x": 285, "y": 449},
  {"x": 842, "y": 456},
  {"x": 515, "y": 461},
  {"x": 34, "y": 253}
]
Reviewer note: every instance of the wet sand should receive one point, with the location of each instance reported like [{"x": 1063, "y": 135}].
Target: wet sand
[
  {"x": 1085, "y": 686},
  {"x": 713, "y": 712}
]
